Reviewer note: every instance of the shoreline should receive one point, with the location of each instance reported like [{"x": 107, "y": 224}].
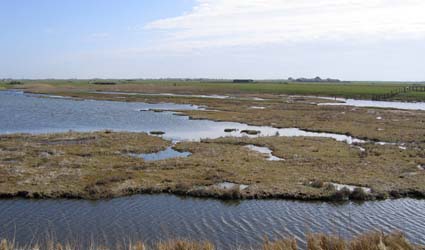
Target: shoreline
[{"x": 27, "y": 195}]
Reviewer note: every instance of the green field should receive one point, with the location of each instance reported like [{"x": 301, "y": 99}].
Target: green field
[{"x": 359, "y": 90}]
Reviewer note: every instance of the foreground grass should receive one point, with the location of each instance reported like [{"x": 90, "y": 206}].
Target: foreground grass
[
  {"x": 98, "y": 165},
  {"x": 368, "y": 241},
  {"x": 71, "y": 164}
]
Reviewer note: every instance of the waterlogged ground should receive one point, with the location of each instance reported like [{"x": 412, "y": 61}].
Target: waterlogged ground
[
  {"x": 168, "y": 153},
  {"x": 287, "y": 163},
  {"x": 34, "y": 166},
  {"x": 109, "y": 164}
]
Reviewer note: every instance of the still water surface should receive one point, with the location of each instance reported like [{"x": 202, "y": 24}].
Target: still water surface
[
  {"x": 161, "y": 155},
  {"x": 376, "y": 104},
  {"x": 23, "y": 113}
]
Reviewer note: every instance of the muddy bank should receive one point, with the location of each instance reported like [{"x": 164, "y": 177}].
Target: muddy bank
[{"x": 221, "y": 194}]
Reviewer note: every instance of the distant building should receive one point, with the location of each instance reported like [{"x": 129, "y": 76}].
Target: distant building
[
  {"x": 243, "y": 81},
  {"x": 103, "y": 83}
]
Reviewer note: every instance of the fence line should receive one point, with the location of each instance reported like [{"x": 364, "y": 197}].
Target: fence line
[{"x": 395, "y": 92}]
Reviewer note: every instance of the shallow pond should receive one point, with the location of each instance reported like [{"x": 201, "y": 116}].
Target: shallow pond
[
  {"x": 376, "y": 104},
  {"x": 156, "y": 217},
  {"x": 168, "y": 153},
  {"x": 266, "y": 151},
  {"x": 22, "y": 113},
  {"x": 161, "y": 94}
]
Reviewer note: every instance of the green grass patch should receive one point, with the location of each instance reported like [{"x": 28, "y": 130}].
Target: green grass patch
[{"x": 360, "y": 90}]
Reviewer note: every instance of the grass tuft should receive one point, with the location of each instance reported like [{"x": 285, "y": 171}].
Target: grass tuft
[
  {"x": 184, "y": 245},
  {"x": 282, "y": 244},
  {"x": 367, "y": 241}
]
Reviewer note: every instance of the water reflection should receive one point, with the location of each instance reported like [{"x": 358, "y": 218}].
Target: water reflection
[
  {"x": 377, "y": 104},
  {"x": 168, "y": 153},
  {"x": 23, "y": 113}
]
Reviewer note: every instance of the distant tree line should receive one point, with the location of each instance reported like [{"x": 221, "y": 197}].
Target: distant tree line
[
  {"x": 316, "y": 79},
  {"x": 103, "y": 83},
  {"x": 243, "y": 81},
  {"x": 15, "y": 82}
]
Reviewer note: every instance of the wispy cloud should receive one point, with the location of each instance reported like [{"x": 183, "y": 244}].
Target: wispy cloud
[{"x": 217, "y": 23}]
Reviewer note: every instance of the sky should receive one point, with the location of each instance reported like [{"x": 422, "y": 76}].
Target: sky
[{"x": 259, "y": 39}]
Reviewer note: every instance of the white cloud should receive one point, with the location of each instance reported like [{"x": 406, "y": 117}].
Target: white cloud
[{"x": 217, "y": 23}]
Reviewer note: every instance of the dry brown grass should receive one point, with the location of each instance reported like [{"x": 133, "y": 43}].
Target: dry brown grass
[
  {"x": 367, "y": 241},
  {"x": 89, "y": 165},
  {"x": 281, "y": 244},
  {"x": 97, "y": 165},
  {"x": 184, "y": 245},
  {"x": 325, "y": 242}
]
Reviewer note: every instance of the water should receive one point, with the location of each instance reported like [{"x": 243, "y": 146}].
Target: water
[
  {"x": 230, "y": 185},
  {"x": 156, "y": 217},
  {"x": 377, "y": 104},
  {"x": 257, "y": 107},
  {"x": 349, "y": 187},
  {"x": 21, "y": 113},
  {"x": 266, "y": 151},
  {"x": 161, "y": 94},
  {"x": 176, "y": 95},
  {"x": 162, "y": 155}
]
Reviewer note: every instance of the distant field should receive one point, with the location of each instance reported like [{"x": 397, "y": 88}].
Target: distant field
[{"x": 360, "y": 90}]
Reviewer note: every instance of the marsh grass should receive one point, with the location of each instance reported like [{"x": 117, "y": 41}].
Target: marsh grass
[
  {"x": 184, "y": 245},
  {"x": 367, "y": 241},
  {"x": 280, "y": 244},
  {"x": 98, "y": 165},
  {"x": 89, "y": 165}
]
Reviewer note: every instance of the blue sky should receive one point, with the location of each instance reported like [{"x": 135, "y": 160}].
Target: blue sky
[{"x": 262, "y": 39}]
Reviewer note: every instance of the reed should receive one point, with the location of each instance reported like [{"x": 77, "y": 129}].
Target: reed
[{"x": 367, "y": 241}]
